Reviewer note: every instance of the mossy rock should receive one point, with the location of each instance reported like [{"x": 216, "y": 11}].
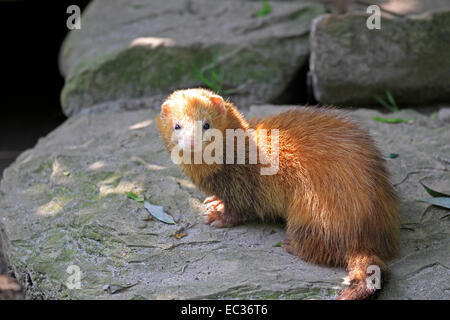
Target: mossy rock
[
  {"x": 137, "y": 50},
  {"x": 409, "y": 57}
]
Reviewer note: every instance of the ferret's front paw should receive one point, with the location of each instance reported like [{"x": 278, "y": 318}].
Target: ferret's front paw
[
  {"x": 216, "y": 219},
  {"x": 209, "y": 199},
  {"x": 214, "y": 204},
  {"x": 215, "y": 214}
]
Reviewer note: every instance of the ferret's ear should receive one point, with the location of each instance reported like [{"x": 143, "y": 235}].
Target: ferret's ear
[
  {"x": 218, "y": 102},
  {"x": 165, "y": 110}
]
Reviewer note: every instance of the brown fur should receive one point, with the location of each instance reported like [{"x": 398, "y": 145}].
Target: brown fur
[{"x": 332, "y": 187}]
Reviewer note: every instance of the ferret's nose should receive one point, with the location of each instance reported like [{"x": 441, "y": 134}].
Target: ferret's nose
[{"x": 189, "y": 142}]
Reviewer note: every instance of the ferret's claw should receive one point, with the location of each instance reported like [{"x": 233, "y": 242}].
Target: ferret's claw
[
  {"x": 216, "y": 205},
  {"x": 209, "y": 217},
  {"x": 215, "y": 213},
  {"x": 286, "y": 245},
  {"x": 219, "y": 224},
  {"x": 215, "y": 219},
  {"x": 210, "y": 199}
]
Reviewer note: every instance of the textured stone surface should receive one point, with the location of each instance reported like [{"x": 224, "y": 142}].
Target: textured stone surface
[
  {"x": 409, "y": 57},
  {"x": 444, "y": 114},
  {"x": 145, "y": 49},
  {"x": 50, "y": 219}
]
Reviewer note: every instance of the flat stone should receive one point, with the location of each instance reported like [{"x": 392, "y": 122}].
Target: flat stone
[{"x": 63, "y": 203}]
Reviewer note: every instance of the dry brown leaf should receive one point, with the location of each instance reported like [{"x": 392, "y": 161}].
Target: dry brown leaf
[{"x": 179, "y": 235}]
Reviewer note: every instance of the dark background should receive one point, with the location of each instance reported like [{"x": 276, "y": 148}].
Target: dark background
[{"x": 31, "y": 33}]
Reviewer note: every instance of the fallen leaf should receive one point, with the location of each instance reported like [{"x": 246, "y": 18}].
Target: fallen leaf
[
  {"x": 393, "y": 155},
  {"x": 179, "y": 235},
  {"x": 438, "y": 201},
  {"x": 392, "y": 120},
  {"x": 135, "y": 197},
  {"x": 434, "y": 193},
  {"x": 265, "y": 10},
  {"x": 158, "y": 213}
]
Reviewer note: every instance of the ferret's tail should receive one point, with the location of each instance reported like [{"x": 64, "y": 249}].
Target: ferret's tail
[{"x": 366, "y": 273}]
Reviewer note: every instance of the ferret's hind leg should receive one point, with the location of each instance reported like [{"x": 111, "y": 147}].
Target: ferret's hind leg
[{"x": 287, "y": 246}]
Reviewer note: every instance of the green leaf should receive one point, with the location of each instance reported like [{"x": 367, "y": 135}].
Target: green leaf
[
  {"x": 432, "y": 192},
  {"x": 392, "y": 105},
  {"x": 204, "y": 79},
  {"x": 434, "y": 115},
  {"x": 265, "y": 10},
  {"x": 392, "y": 101},
  {"x": 392, "y": 120},
  {"x": 393, "y": 155},
  {"x": 135, "y": 197},
  {"x": 440, "y": 202},
  {"x": 384, "y": 103},
  {"x": 215, "y": 77},
  {"x": 66, "y": 173},
  {"x": 278, "y": 244},
  {"x": 158, "y": 213}
]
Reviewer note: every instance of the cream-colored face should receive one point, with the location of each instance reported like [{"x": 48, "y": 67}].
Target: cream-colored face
[
  {"x": 189, "y": 114},
  {"x": 188, "y": 134}
]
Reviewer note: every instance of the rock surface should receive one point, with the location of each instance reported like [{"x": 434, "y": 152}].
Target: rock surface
[
  {"x": 63, "y": 203},
  {"x": 409, "y": 57},
  {"x": 146, "y": 49}
]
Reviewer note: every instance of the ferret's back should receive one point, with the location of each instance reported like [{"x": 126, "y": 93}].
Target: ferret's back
[
  {"x": 320, "y": 133},
  {"x": 339, "y": 180}
]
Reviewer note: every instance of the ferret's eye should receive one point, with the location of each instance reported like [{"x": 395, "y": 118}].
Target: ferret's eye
[
  {"x": 177, "y": 127},
  {"x": 206, "y": 126}
]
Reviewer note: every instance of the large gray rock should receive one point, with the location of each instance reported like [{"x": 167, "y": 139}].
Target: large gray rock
[
  {"x": 146, "y": 49},
  {"x": 409, "y": 57},
  {"x": 63, "y": 203}
]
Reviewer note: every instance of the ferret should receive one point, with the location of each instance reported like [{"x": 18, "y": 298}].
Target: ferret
[{"x": 331, "y": 186}]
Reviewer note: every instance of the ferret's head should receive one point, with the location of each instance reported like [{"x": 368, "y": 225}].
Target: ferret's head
[{"x": 186, "y": 113}]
